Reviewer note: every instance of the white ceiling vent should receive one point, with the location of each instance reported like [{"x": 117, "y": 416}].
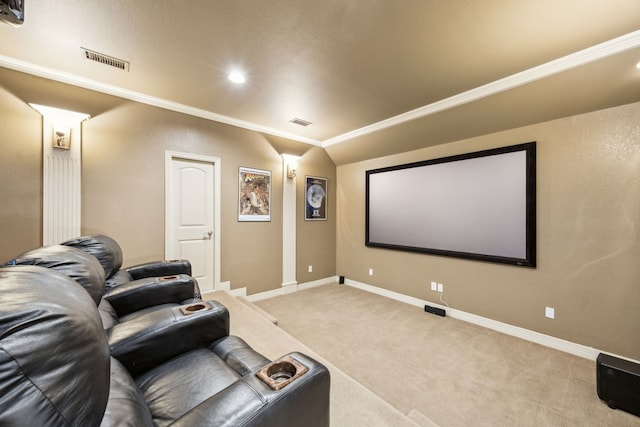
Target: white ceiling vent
[
  {"x": 106, "y": 59},
  {"x": 300, "y": 122}
]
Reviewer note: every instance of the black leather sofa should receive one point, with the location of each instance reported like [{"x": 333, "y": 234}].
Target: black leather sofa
[{"x": 174, "y": 365}]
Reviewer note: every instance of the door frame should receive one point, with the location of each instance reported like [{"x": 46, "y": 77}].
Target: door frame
[{"x": 217, "y": 166}]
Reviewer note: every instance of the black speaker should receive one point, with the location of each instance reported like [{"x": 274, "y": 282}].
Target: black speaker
[
  {"x": 341, "y": 280},
  {"x": 618, "y": 383}
]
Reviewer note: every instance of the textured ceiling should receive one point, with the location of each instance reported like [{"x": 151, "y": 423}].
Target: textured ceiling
[{"x": 354, "y": 68}]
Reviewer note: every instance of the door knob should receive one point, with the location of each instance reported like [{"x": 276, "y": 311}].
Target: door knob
[{"x": 208, "y": 235}]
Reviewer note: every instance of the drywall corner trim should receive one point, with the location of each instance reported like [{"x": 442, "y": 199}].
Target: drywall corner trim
[
  {"x": 518, "y": 332},
  {"x": 75, "y": 80}
]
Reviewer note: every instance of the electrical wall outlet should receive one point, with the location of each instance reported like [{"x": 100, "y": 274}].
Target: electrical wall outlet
[
  {"x": 311, "y": 269},
  {"x": 550, "y": 312},
  {"x": 434, "y": 286},
  {"x": 371, "y": 272},
  {"x": 440, "y": 287}
]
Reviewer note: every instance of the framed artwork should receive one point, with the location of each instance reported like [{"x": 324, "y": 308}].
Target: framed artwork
[
  {"x": 254, "y": 194},
  {"x": 315, "y": 198}
]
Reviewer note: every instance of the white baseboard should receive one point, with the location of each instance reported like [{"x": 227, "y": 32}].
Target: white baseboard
[
  {"x": 290, "y": 288},
  {"x": 266, "y": 295},
  {"x": 505, "y": 328},
  {"x": 240, "y": 292},
  {"x": 525, "y": 334},
  {"x": 316, "y": 283}
]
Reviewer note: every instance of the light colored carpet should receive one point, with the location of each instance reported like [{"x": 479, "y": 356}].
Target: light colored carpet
[
  {"x": 351, "y": 404},
  {"x": 443, "y": 370}
]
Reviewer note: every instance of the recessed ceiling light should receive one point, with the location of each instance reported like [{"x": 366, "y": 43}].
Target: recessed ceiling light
[{"x": 237, "y": 77}]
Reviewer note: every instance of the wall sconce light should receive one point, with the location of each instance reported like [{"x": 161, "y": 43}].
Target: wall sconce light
[
  {"x": 291, "y": 165},
  {"x": 63, "y": 121},
  {"x": 61, "y": 137},
  {"x": 292, "y": 168}
]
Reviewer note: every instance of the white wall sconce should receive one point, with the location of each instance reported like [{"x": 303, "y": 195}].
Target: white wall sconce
[
  {"x": 291, "y": 165},
  {"x": 63, "y": 121},
  {"x": 292, "y": 169},
  {"x": 61, "y": 137}
]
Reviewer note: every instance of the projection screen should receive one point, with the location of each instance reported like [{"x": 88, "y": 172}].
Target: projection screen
[{"x": 478, "y": 206}]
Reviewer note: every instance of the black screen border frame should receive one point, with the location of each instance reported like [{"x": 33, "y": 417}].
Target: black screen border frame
[{"x": 530, "y": 222}]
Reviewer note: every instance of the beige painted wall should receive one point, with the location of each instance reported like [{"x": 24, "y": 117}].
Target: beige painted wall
[
  {"x": 588, "y": 208},
  {"x": 20, "y": 176},
  {"x": 123, "y": 149},
  {"x": 123, "y": 189},
  {"x": 316, "y": 240}
]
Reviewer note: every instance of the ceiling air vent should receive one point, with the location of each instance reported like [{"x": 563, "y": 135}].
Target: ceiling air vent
[
  {"x": 300, "y": 122},
  {"x": 106, "y": 59}
]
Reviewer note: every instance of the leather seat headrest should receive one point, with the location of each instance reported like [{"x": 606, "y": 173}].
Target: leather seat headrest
[
  {"x": 77, "y": 264},
  {"x": 107, "y": 250}
]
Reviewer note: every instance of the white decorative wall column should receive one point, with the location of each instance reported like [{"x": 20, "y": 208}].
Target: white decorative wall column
[
  {"x": 289, "y": 166},
  {"x": 61, "y": 175}
]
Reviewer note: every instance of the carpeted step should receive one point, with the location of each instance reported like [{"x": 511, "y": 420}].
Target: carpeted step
[
  {"x": 258, "y": 310},
  {"x": 421, "y": 419}
]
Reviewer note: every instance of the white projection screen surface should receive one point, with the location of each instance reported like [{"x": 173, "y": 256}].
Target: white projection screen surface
[{"x": 477, "y": 206}]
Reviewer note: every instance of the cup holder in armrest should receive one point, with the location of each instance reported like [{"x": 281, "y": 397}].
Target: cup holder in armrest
[
  {"x": 167, "y": 278},
  {"x": 194, "y": 308},
  {"x": 282, "y": 372}
]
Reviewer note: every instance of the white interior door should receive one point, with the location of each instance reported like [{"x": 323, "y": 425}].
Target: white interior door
[{"x": 190, "y": 231}]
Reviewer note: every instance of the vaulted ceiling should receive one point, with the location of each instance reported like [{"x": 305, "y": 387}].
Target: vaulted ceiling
[{"x": 374, "y": 77}]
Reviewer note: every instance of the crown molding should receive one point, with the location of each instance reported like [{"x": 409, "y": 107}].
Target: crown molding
[
  {"x": 565, "y": 63},
  {"x": 75, "y": 80}
]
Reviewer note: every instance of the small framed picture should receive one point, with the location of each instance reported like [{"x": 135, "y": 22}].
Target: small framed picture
[
  {"x": 61, "y": 137},
  {"x": 254, "y": 194},
  {"x": 315, "y": 200}
]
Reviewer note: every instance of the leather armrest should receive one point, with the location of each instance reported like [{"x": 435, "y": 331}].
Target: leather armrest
[
  {"x": 250, "y": 402},
  {"x": 162, "y": 334},
  {"x": 143, "y": 293},
  {"x": 160, "y": 268}
]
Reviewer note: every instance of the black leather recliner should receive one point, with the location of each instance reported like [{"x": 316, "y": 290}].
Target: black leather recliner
[
  {"x": 138, "y": 287},
  {"x": 57, "y": 370},
  {"x": 133, "y": 315},
  {"x": 109, "y": 254},
  {"x": 135, "y": 327},
  {"x": 92, "y": 260}
]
